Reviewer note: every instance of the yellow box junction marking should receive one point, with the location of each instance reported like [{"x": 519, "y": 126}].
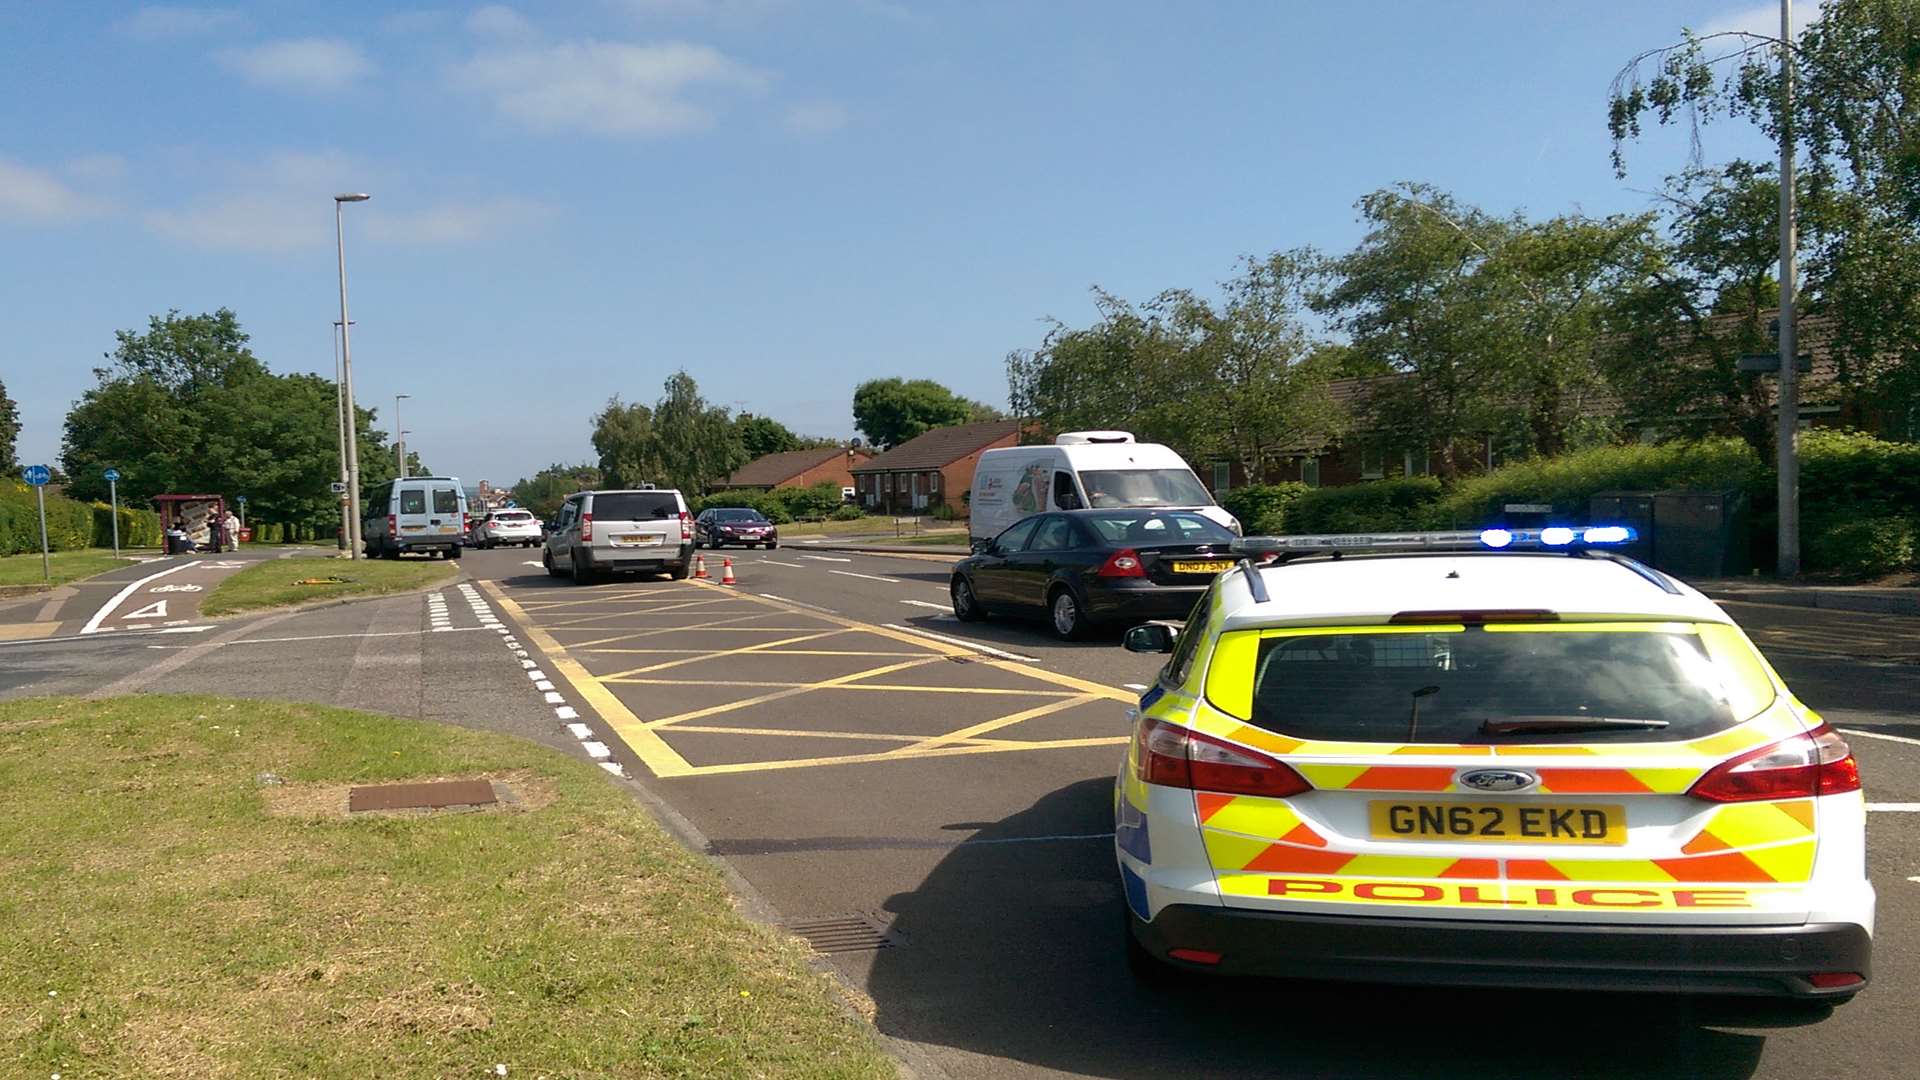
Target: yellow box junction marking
[{"x": 646, "y": 737}]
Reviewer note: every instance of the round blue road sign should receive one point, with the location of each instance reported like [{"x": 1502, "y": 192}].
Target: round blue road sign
[
  {"x": 37, "y": 475},
  {"x": 112, "y": 475}
]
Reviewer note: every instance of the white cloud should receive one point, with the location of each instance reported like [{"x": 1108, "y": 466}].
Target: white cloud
[
  {"x": 247, "y": 222},
  {"x": 1761, "y": 19},
  {"x": 608, "y": 88},
  {"x": 154, "y": 22},
  {"x": 815, "y": 117},
  {"x": 704, "y": 9},
  {"x": 96, "y": 167},
  {"x": 498, "y": 21},
  {"x": 416, "y": 21},
  {"x": 283, "y": 203},
  {"x": 307, "y": 65},
  {"x": 454, "y": 222},
  {"x": 31, "y": 195}
]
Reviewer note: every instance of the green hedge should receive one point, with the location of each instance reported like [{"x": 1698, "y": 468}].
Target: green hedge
[
  {"x": 848, "y": 512},
  {"x": 780, "y": 505},
  {"x": 1859, "y": 503},
  {"x": 69, "y": 523},
  {"x": 138, "y": 528},
  {"x": 1376, "y": 506},
  {"x": 1570, "y": 480},
  {"x": 1262, "y": 508}
]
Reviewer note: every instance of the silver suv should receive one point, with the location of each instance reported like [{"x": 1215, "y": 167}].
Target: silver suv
[{"x": 607, "y": 532}]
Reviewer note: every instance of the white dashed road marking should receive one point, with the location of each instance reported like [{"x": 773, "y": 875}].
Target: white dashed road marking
[
  {"x": 483, "y": 611},
  {"x": 1878, "y": 735},
  {"x": 825, "y": 558},
  {"x": 1895, "y": 807},
  {"x": 869, "y": 577}
]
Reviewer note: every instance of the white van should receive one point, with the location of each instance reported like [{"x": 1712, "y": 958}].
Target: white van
[
  {"x": 1096, "y": 469},
  {"x": 421, "y": 513}
]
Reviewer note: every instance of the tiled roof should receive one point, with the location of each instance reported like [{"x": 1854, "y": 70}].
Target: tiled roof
[
  {"x": 941, "y": 447},
  {"x": 769, "y": 470}
]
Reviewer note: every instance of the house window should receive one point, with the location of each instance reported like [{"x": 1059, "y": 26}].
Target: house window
[
  {"x": 933, "y": 483},
  {"x": 1310, "y": 471},
  {"x": 1418, "y": 463},
  {"x": 1222, "y": 477},
  {"x": 1373, "y": 464}
]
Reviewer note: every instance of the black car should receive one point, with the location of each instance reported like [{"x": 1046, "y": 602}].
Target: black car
[
  {"x": 721, "y": 526},
  {"x": 1081, "y": 568}
]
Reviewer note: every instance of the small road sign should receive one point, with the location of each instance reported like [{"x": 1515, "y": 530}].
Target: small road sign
[
  {"x": 37, "y": 475},
  {"x": 241, "y": 499},
  {"x": 338, "y": 488},
  {"x": 1528, "y": 508},
  {"x": 112, "y": 475},
  {"x": 1769, "y": 363}
]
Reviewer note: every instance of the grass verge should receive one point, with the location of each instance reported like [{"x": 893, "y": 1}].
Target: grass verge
[
  {"x": 66, "y": 565},
  {"x": 159, "y": 921},
  {"x": 276, "y": 582},
  {"x": 872, "y": 525}
]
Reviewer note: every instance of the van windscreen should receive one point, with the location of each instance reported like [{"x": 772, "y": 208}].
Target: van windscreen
[
  {"x": 1109, "y": 489},
  {"x": 635, "y": 506}
]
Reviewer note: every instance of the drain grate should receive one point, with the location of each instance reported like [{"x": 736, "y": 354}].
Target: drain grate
[{"x": 857, "y": 931}]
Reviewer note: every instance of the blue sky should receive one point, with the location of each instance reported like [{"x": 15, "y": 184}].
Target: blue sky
[{"x": 784, "y": 197}]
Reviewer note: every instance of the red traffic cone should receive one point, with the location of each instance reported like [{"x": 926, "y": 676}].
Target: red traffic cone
[
  {"x": 726, "y": 572},
  {"x": 700, "y": 568}
]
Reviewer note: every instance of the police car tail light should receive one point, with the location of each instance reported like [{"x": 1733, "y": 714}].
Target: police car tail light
[
  {"x": 1816, "y": 763},
  {"x": 1174, "y": 756},
  {"x": 1123, "y": 563}
]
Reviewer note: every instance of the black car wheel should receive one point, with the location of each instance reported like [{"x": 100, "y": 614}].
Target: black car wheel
[
  {"x": 582, "y": 573},
  {"x": 1069, "y": 621},
  {"x": 771, "y": 544},
  {"x": 966, "y": 606}
]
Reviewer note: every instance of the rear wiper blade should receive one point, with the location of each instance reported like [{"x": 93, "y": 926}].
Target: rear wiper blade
[{"x": 1514, "y": 725}]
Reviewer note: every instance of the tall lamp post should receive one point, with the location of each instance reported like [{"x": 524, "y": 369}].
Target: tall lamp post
[
  {"x": 340, "y": 428},
  {"x": 1786, "y": 450},
  {"x": 351, "y": 413},
  {"x": 400, "y": 436}
]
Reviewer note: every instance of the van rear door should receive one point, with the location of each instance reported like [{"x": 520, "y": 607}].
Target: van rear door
[{"x": 445, "y": 519}]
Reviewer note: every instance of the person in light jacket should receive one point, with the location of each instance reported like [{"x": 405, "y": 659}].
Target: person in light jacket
[{"x": 233, "y": 530}]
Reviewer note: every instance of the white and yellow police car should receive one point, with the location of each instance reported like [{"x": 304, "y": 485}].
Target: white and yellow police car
[{"x": 1504, "y": 758}]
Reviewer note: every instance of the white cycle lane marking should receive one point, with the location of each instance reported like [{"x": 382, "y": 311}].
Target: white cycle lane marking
[
  {"x": 599, "y": 752},
  {"x": 106, "y": 609}
]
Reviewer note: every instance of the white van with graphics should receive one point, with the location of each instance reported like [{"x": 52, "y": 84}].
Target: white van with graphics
[{"x": 1082, "y": 469}]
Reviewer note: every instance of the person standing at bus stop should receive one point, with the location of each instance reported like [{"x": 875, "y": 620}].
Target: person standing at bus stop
[{"x": 233, "y": 530}]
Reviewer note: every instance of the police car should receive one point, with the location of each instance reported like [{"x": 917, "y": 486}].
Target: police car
[{"x": 1504, "y": 758}]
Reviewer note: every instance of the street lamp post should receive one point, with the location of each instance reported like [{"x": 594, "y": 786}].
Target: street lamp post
[
  {"x": 350, "y": 413},
  {"x": 1786, "y": 451},
  {"x": 399, "y": 435},
  {"x": 340, "y": 428}
]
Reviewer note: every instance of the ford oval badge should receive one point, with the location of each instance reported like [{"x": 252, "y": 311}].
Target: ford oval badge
[{"x": 1497, "y": 780}]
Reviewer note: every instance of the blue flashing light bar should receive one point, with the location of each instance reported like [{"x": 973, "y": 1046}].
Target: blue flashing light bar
[{"x": 1561, "y": 537}]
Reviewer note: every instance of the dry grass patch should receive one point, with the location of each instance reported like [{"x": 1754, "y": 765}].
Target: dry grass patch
[{"x": 168, "y": 914}]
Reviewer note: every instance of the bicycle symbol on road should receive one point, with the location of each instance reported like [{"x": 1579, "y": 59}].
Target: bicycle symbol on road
[{"x": 175, "y": 588}]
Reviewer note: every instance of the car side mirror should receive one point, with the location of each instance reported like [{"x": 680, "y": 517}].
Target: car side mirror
[{"x": 1151, "y": 638}]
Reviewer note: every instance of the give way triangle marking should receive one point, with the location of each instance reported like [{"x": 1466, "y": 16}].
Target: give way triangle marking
[{"x": 155, "y": 610}]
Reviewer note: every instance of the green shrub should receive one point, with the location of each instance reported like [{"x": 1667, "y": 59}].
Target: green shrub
[
  {"x": 848, "y": 512},
  {"x": 1396, "y": 505},
  {"x": 1864, "y": 546},
  {"x": 1570, "y": 480},
  {"x": 769, "y": 505},
  {"x": 808, "y": 503},
  {"x": 947, "y": 512},
  {"x": 1262, "y": 508},
  {"x": 69, "y": 523},
  {"x": 138, "y": 528}
]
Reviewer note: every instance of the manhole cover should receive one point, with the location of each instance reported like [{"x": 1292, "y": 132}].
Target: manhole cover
[
  {"x": 431, "y": 796},
  {"x": 855, "y": 932}
]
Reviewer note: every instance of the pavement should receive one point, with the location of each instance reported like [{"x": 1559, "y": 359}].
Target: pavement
[{"x": 935, "y": 796}]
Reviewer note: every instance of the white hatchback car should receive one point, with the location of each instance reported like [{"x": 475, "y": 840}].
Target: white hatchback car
[
  {"x": 1475, "y": 759},
  {"x": 518, "y": 528}
]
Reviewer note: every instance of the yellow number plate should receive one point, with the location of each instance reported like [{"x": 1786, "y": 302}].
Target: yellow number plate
[
  {"x": 638, "y": 538},
  {"x": 1209, "y": 566},
  {"x": 1504, "y": 823}
]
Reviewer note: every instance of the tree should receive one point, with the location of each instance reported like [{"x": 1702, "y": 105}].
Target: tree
[
  {"x": 763, "y": 435},
  {"x": 185, "y": 406},
  {"x": 1246, "y": 382},
  {"x": 698, "y": 442},
  {"x": 623, "y": 437},
  {"x": 891, "y": 411},
  {"x": 1854, "y": 130},
  {"x": 1694, "y": 305},
  {"x": 1120, "y": 372},
  {"x": 9, "y": 433},
  {"x": 544, "y": 491}
]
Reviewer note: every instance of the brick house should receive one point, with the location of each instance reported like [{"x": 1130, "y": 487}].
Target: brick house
[
  {"x": 797, "y": 468},
  {"x": 931, "y": 470}
]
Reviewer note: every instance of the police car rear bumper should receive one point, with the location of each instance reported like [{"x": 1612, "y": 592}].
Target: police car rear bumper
[{"x": 1766, "y": 961}]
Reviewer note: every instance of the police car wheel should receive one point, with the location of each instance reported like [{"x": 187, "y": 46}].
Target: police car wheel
[{"x": 1069, "y": 623}]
